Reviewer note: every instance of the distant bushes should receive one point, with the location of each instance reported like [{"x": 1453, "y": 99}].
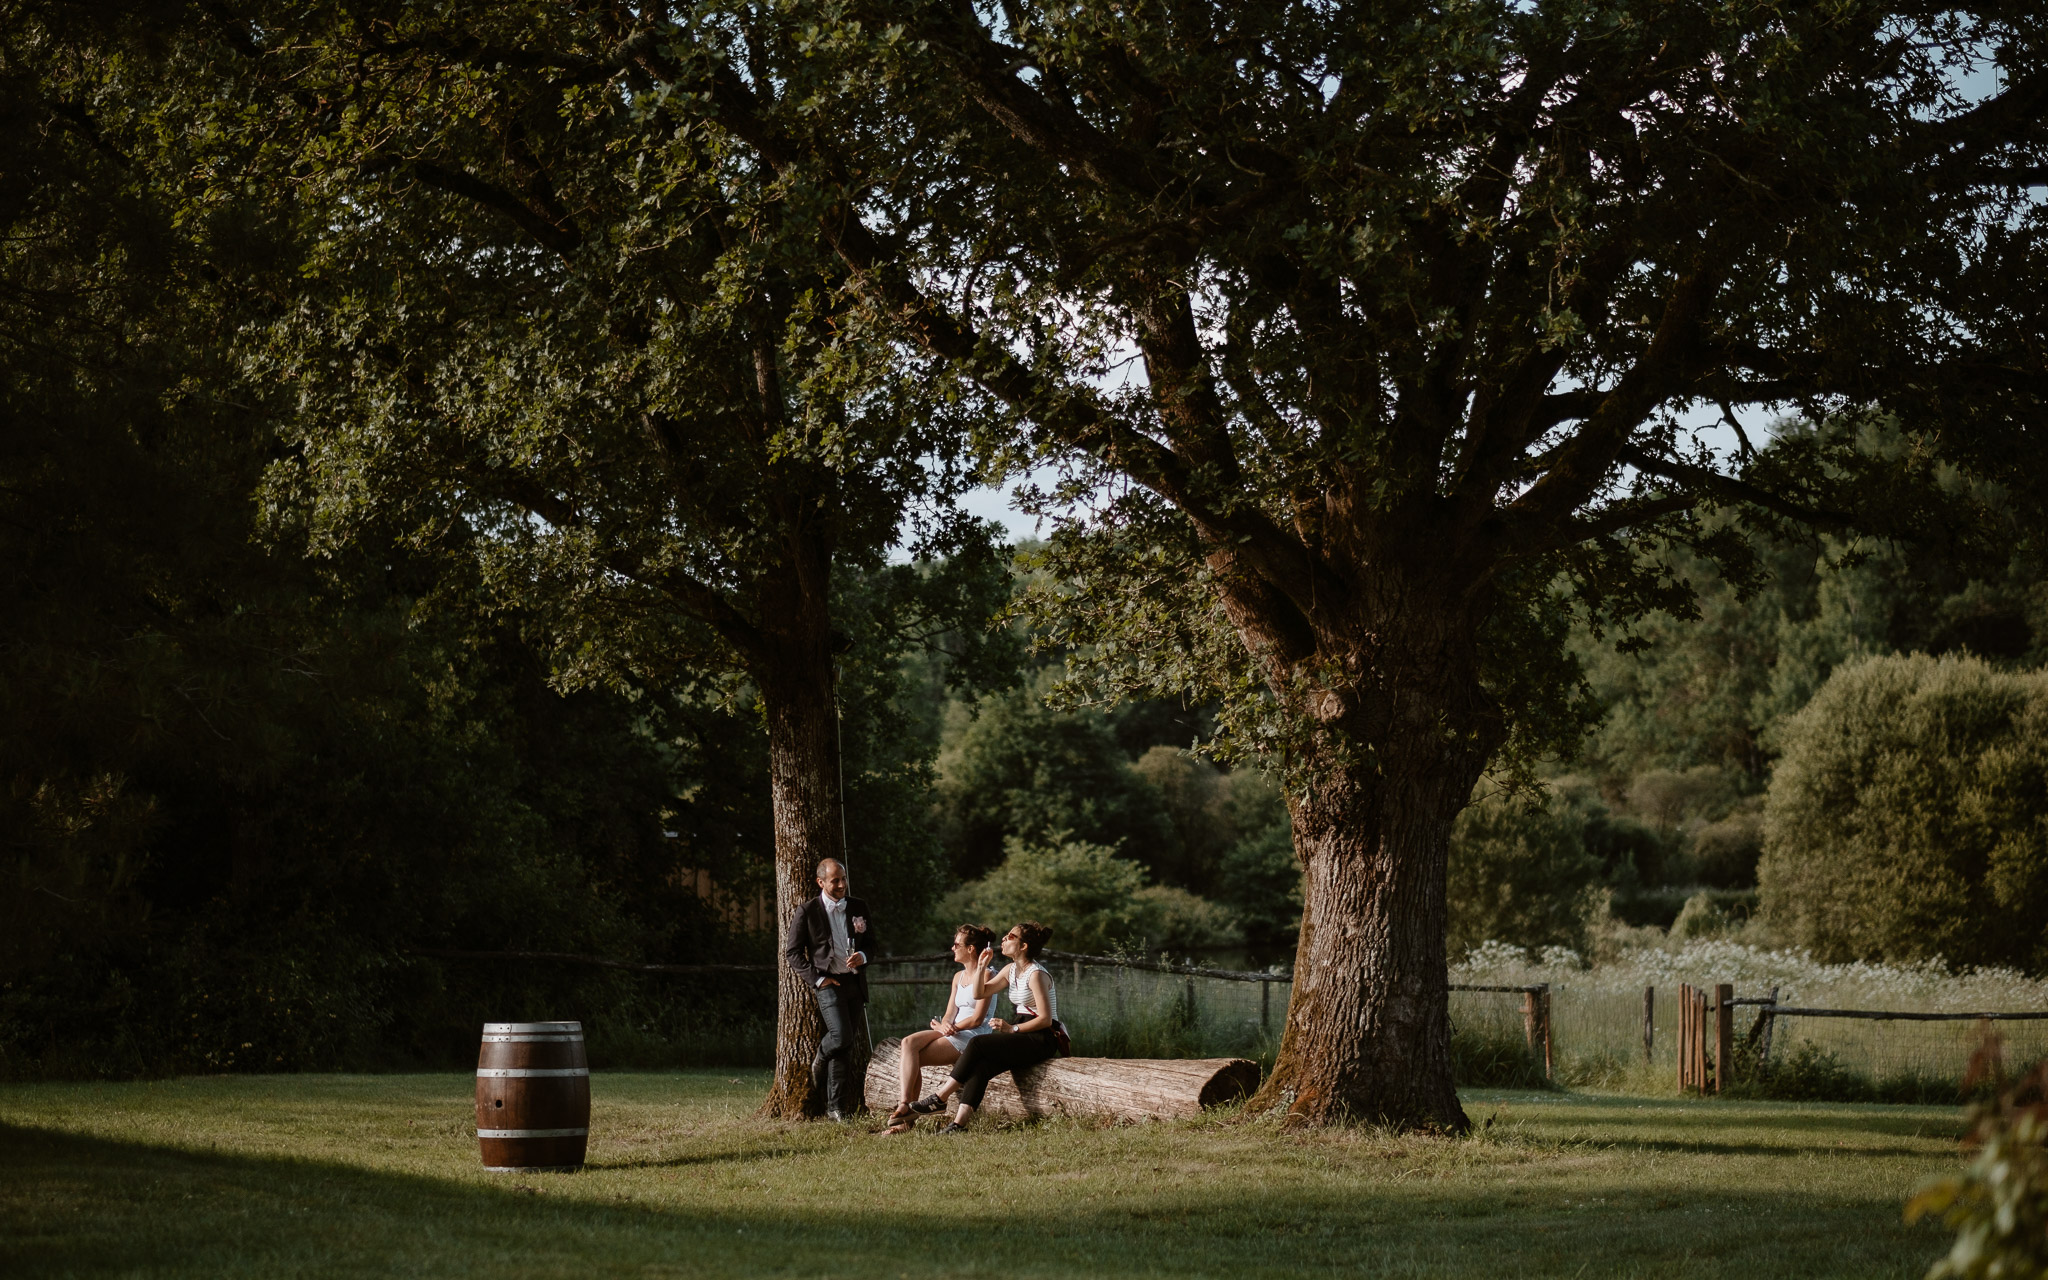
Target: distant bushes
[
  {"x": 1519, "y": 872},
  {"x": 1096, "y": 901},
  {"x": 1908, "y": 817}
]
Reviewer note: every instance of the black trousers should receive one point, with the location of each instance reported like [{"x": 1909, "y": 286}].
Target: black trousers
[
  {"x": 843, "y": 1007},
  {"x": 987, "y": 1057}
]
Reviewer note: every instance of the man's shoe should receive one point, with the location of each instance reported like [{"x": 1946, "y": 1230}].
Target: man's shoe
[
  {"x": 835, "y": 1114},
  {"x": 954, "y": 1128}
]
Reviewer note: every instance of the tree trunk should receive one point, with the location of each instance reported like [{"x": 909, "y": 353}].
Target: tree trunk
[
  {"x": 803, "y": 784},
  {"x": 1397, "y": 751}
]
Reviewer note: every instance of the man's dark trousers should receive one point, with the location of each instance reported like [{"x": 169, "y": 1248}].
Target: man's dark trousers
[{"x": 844, "y": 1011}]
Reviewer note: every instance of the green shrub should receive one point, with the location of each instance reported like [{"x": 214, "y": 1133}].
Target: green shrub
[
  {"x": 1725, "y": 852},
  {"x": 1095, "y": 901},
  {"x": 1019, "y": 770},
  {"x": 1713, "y": 913},
  {"x": 1177, "y": 920},
  {"x": 1908, "y": 818},
  {"x": 1519, "y": 874},
  {"x": 1261, "y": 880},
  {"x": 1810, "y": 1073}
]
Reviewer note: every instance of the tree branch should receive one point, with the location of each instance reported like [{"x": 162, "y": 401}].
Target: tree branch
[
  {"x": 462, "y": 183},
  {"x": 1734, "y": 489}
]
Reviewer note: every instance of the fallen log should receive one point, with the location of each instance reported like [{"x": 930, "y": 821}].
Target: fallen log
[{"x": 1094, "y": 1088}]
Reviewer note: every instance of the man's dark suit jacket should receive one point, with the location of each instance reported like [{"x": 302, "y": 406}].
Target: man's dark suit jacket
[{"x": 809, "y": 945}]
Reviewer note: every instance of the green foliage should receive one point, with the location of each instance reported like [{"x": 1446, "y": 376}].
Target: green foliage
[
  {"x": 1014, "y": 769},
  {"x": 240, "y": 785},
  {"x": 1998, "y": 1208},
  {"x": 1908, "y": 818},
  {"x": 1096, "y": 902},
  {"x": 1692, "y": 693},
  {"x": 1520, "y": 874},
  {"x": 1261, "y": 880}
]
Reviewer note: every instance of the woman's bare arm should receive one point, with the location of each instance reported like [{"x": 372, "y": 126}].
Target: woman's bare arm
[{"x": 989, "y": 986}]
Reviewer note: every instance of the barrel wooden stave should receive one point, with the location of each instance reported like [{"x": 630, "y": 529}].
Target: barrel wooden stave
[{"x": 532, "y": 1096}]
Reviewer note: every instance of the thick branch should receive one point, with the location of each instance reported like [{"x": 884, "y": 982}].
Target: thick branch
[
  {"x": 701, "y": 601},
  {"x": 1583, "y": 461},
  {"x": 1731, "y": 488},
  {"x": 986, "y": 70},
  {"x": 474, "y": 189}
]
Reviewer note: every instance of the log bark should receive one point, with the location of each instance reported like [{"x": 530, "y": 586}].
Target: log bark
[{"x": 1090, "y": 1088}]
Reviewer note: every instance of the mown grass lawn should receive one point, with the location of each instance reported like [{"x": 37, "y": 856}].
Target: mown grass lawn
[{"x": 378, "y": 1176}]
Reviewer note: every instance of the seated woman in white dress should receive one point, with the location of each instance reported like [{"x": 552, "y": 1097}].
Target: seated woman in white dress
[{"x": 966, "y": 1017}]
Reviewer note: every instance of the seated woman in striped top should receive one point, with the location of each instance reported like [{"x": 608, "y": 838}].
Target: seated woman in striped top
[{"x": 1032, "y": 1039}]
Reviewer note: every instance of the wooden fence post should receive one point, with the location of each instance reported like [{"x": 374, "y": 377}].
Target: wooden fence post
[
  {"x": 1684, "y": 1004},
  {"x": 1529, "y": 1019},
  {"x": 1266, "y": 1007},
  {"x": 1724, "y": 1035},
  {"x": 1546, "y": 1030},
  {"x": 1692, "y": 1038},
  {"x": 1649, "y": 1022},
  {"x": 1770, "y": 1020}
]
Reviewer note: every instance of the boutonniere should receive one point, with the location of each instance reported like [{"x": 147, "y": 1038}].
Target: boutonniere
[{"x": 860, "y": 924}]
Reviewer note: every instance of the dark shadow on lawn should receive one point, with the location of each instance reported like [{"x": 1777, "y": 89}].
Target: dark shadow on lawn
[{"x": 81, "y": 1206}]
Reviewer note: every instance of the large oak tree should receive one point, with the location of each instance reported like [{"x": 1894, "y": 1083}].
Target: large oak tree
[{"x": 1420, "y": 296}]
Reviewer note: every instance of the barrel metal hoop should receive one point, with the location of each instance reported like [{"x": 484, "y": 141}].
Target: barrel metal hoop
[
  {"x": 514, "y": 1028},
  {"x": 574, "y": 1037},
  {"x": 528, "y": 1073},
  {"x": 534, "y": 1133}
]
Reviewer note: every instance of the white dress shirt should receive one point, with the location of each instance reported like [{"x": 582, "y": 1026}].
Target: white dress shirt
[{"x": 842, "y": 941}]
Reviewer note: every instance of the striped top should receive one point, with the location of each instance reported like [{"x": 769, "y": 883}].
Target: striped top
[{"x": 1020, "y": 989}]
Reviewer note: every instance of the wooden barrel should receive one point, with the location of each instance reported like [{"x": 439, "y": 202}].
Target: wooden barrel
[{"x": 532, "y": 1096}]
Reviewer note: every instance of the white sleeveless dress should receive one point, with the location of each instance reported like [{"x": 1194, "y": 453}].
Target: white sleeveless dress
[{"x": 963, "y": 1007}]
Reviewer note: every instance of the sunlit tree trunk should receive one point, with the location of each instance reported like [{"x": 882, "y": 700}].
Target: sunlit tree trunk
[
  {"x": 803, "y": 785},
  {"x": 1402, "y": 731}
]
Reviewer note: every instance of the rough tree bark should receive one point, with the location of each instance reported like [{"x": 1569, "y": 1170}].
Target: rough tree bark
[
  {"x": 795, "y": 675},
  {"x": 1403, "y": 731}
]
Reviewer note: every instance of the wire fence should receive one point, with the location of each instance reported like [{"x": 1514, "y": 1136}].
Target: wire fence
[
  {"x": 1114, "y": 1007},
  {"x": 1124, "y": 1007},
  {"x": 1580, "y": 1027}
]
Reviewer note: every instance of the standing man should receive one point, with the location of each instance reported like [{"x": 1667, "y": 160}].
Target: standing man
[{"x": 829, "y": 941}]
